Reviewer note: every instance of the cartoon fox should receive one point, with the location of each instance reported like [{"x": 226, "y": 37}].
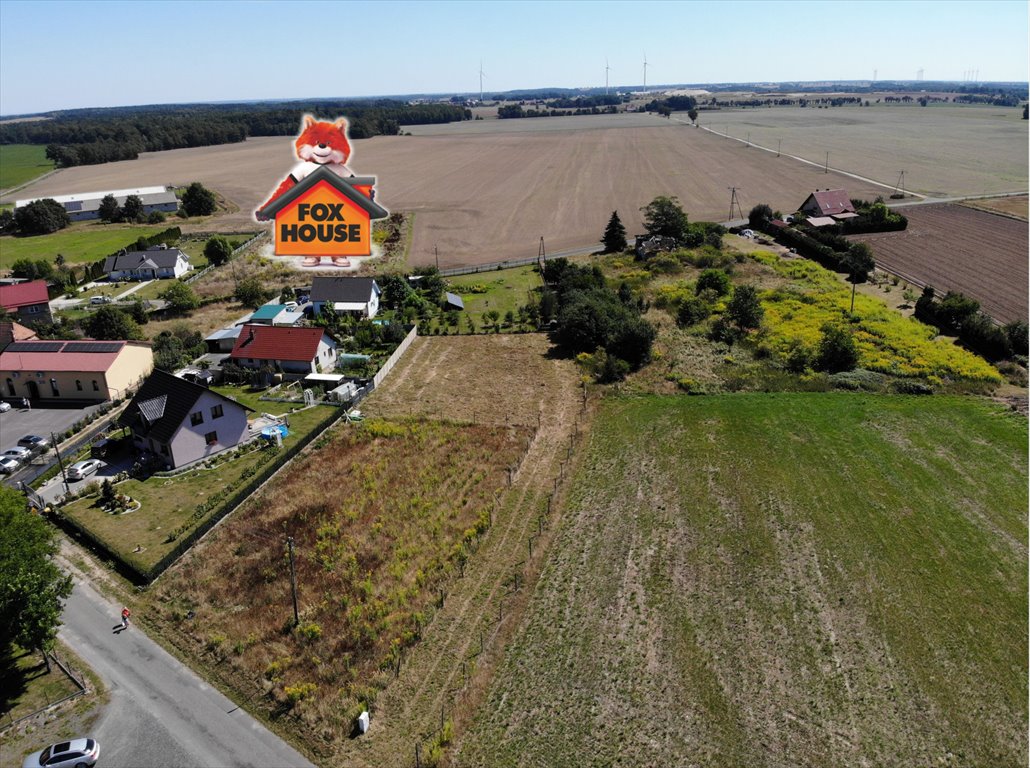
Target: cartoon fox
[{"x": 320, "y": 143}]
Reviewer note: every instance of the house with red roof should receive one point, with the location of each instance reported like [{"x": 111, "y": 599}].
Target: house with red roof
[
  {"x": 73, "y": 371},
  {"x": 284, "y": 348},
  {"x": 14, "y": 332},
  {"x": 27, "y": 302}
]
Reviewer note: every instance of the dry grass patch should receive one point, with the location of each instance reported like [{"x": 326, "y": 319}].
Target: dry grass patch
[
  {"x": 205, "y": 320},
  {"x": 382, "y": 514}
]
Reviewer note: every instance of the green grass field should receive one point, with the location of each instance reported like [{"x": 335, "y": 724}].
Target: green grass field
[
  {"x": 20, "y": 163},
  {"x": 80, "y": 243},
  {"x": 506, "y": 290},
  {"x": 778, "y": 580}
]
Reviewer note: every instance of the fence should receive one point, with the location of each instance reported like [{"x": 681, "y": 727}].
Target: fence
[
  {"x": 395, "y": 357},
  {"x": 142, "y": 575},
  {"x": 80, "y": 684},
  {"x": 239, "y": 249},
  {"x": 512, "y": 263}
]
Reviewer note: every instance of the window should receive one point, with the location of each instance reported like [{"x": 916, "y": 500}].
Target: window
[
  {"x": 35, "y": 309},
  {"x": 216, "y": 411},
  {"x": 96, "y": 387},
  {"x": 211, "y": 438},
  {"x": 197, "y": 418},
  {"x": 78, "y": 385}
]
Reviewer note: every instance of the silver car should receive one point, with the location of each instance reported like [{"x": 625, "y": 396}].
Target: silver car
[
  {"x": 78, "y": 753},
  {"x": 80, "y": 469},
  {"x": 9, "y": 466},
  {"x": 18, "y": 454}
]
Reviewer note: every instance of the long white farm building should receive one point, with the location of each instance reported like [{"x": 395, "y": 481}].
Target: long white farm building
[{"x": 85, "y": 205}]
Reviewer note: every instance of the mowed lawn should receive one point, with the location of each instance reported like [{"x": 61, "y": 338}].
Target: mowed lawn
[
  {"x": 80, "y": 243},
  {"x": 778, "y": 580},
  {"x": 20, "y": 163}
]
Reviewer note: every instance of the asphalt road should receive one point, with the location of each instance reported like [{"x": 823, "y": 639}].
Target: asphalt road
[{"x": 161, "y": 715}]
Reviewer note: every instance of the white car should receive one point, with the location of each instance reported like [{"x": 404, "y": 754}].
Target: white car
[
  {"x": 4, "y": 406},
  {"x": 80, "y": 469},
  {"x": 18, "y": 454},
  {"x": 9, "y": 466},
  {"x": 78, "y": 753},
  {"x": 100, "y": 300}
]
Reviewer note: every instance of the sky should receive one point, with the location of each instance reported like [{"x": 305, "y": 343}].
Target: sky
[{"x": 100, "y": 53}]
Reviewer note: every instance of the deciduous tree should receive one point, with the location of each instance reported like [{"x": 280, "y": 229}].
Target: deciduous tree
[
  {"x": 111, "y": 324},
  {"x": 41, "y": 217},
  {"x": 132, "y": 210},
  {"x": 32, "y": 587},
  {"x": 664, "y": 217},
  {"x": 197, "y": 200},
  {"x": 180, "y": 297},
  {"x": 108, "y": 210},
  {"x": 745, "y": 310},
  {"x": 217, "y": 250}
]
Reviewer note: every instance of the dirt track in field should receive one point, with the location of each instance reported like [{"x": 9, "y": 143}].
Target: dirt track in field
[
  {"x": 953, "y": 247},
  {"x": 498, "y": 379}
]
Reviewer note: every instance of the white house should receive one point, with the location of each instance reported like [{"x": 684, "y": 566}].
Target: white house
[
  {"x": 158, "y": 261},
  {"x": 358, "y": 296}
]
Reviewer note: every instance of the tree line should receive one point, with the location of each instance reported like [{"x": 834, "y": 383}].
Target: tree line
[{"x": 93, "y": 136}]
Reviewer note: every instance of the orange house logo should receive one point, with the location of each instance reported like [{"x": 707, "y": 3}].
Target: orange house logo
[{"x": 325, "y": 215}]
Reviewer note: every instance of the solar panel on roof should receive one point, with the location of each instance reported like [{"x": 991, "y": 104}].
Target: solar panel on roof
[
  {"x": 92, "y": 346},
  {"x": 35, "y": 346}
]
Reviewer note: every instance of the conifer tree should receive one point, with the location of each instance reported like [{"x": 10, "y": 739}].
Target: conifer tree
[{"x": 614, "y": 238}]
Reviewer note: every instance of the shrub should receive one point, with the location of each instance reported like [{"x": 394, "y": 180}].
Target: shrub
[
  {"x": 297, "y": 693},
  {"x": 714, "y": 280},
  {"x": 837, "y": 350},
  {"x": 692, "y": 311}
]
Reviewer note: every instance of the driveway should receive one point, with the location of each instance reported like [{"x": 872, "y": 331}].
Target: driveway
[{"x": 161, "y": 714}]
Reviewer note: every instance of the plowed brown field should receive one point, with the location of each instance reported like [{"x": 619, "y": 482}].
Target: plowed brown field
[
  {"x": 483, "y": 197},
  {"x": 952, "y": 247}
]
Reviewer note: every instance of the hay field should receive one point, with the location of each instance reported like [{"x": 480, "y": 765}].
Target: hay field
[
  {"x": 485, "y": 191},
  {"x": 777, "y": 580},
  {"x": 945, "y": 150}
]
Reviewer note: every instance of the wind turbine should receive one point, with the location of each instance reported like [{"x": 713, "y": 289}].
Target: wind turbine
[
  {"x": 606, "y": 68},
  {"x": 481, "y": 76},
  {"x": 645, "y": 71}
]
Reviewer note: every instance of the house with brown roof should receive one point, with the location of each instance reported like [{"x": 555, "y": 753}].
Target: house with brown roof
[
  {"x": 182, "y": 422},
  {"x": 829, "y": 203},
  {"x": 287, "y": 349},
  {"x": 27, "y": 302},
  {"x": 73, "y": 371},
  {"x": 11, "y": 332}
]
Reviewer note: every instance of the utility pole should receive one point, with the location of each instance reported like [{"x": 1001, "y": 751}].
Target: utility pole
[
  {"x": 60, "y": 462},
  {"x": 778, "y": 143},
  {"x": 749, "y": 138},
  {"x": 293, "y": 582},
  {"x": 436, "y": 254},
  {"x": 826, "y": 168},
  {"x": 734, "y": 202}
]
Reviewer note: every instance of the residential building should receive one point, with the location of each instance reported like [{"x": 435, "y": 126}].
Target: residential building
[
  {"x": 285, "y": 349},
  {"x": 182, "y": 422},
  {"x": 828, "y": 202},
  {"x": 11, "y": 332},
  {"x": 157, "y": 262},
  {"x": 27, "y": 302},
  {"x": 74, "y": 371},
  {"x": 355, "y": 296}
]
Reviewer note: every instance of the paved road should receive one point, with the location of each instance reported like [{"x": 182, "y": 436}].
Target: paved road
[{"x": 161, "y": 714}]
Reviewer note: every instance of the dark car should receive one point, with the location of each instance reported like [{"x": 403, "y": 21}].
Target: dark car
[{"x": 34, "y": 442}]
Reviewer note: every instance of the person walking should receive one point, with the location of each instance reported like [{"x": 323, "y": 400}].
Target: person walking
[{"x": 126, "y": 613}]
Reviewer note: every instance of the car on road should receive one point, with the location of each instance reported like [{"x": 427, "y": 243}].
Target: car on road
[
  {"x": 18, "y": 454},
  {"x": 4, "y": 406},
  {"x": 80, "y": 469},
  {"x": 78, "y": 753},
  {"x": 9, "y": 466},
  {"x": 100, "y": 300},
  {"x": 34, "y": 442}
]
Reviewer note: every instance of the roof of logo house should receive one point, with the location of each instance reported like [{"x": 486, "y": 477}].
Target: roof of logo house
[{"x": 346, "y": 186}]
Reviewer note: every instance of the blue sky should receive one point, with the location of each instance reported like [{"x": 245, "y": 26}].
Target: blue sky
[{"x": 62, "y": 55}]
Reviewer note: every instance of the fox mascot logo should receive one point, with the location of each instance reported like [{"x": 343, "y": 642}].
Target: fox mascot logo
[{"x": 320, "y": 143}]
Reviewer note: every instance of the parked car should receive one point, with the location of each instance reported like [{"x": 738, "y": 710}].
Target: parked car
[
  {"x": 8, "y": 465},
  {"x": 4, "y": 406},
  {"x": 34, "y": 442},
  {"x": 80, "y": 469},
  {"x": 78, "y": 753},
  {"x": 18, "y": 454},
  {"x": 100, "y": 300}
]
